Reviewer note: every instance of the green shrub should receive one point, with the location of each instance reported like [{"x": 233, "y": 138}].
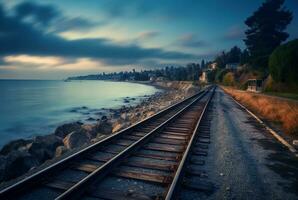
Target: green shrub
[
  {"x": 220, "y": 74},
  {"x": 229, "y": 79},
  {"x": 283, "y": 65}
]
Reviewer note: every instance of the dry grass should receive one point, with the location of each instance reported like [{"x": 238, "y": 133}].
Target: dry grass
[{"x": 270, "y": 108}]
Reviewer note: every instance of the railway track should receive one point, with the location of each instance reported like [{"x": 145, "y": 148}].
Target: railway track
[{"x": 71, "y": 177}]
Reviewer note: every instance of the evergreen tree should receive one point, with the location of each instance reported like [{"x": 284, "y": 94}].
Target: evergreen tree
[
  {"x": 266, "y": 31},
  {"x": 203, "y": 64},
  {"x": 234, "y": 55},
  {"x": 244, "y": 58}
]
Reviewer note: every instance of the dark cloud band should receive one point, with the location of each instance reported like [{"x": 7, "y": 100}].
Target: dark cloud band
[{"x": 19, "y": 37}]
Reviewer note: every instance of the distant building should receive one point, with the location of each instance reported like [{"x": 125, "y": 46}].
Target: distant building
[
  {"x": 160, "y": 78},
  {"x": 152, "y": 77},
  {"x": 232, "y": 66},
  {"x": 213, "y": 66},
  {"x": 254, "y": 85},
  {"x": 203, "y": 78}
]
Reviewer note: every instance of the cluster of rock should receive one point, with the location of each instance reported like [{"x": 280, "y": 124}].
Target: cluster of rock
[{"x": 20, "y": 156}]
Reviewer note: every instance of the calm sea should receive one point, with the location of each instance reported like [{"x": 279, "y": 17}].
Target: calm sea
[{"x": 34, "y": 107}]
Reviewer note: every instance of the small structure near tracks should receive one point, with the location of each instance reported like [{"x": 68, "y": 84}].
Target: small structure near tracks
[{"x": 254, "y": 85}]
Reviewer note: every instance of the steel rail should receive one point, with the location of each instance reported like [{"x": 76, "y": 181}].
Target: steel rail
[
  {"x": 79, "y": 188},
  {"x": 40, "y": 175},
  {"x": 174, "y": 187}
]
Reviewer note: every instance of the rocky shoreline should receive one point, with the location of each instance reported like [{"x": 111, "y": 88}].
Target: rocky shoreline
[{"x": 28, "y": 155}]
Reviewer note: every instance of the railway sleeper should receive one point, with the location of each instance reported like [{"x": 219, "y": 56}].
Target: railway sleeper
[
  {"x": 144, "y": 176},
  {"x": 201, "y": 146},
  {"x": 193, "y": 170},
  {"x": 158, "y": 156},
  {"x": 169, "y": 141},
  {"x": 175, "y": 133},
  {"x": 199, "y": 152},
  {"x": 197, "y": 161},
  {"x": 59, "y": 184},
  {"x": 152, "y": 165},
  {"x": 165, "y": 148},
  {"x": 173, "y": 137},
  {"x": 89, "y": 168},
  {"x": 132, "y": 137}
]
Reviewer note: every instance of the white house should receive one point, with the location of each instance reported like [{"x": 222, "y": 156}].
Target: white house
[{"x": 203, "y": 78}]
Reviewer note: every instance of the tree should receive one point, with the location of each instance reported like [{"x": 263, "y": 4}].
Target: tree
[
  {"x": 203, "y": 64},
  {"x": 234, "y": 55},
  {"x": 244, "y": 58},
  {"x": 283, "y": 63},
  {"x": 229, "y": 79},
  {"x": 221, "y": 60},
  {"x": 266, "y": 31}
]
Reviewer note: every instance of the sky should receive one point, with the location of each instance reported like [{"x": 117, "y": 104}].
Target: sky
[{"x": 55, "y": 39}]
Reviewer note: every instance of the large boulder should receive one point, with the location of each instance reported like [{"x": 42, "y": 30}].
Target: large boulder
[
  {"x": 18, "y": 163},
  {"x": 60, "y": 151},
  {"x": 76, "y": 139},
  {"x": 90, "y": 130},
  {"x": 119, "y": 125},
  {"x": 65, "y": 129},
  {"x": 14, "y": 145},
  {"x": 44, "y": 147},
  {"x": 104, "y": 127}
]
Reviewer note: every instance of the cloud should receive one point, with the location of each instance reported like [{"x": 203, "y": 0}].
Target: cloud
[
  {"x": 43, "y": 14},
  {"x": 190, "y": 41},
  {"x": 163, "y": 10},
  {"x": 51, "y": 17},
  {"x": 74, "y": 24},
  {"x": 34, "y": 60},
  {"x": 234, "y": 33},
  {"x": 19, "y": 37},
  {"x": 147, "y": 35},
  {"x": 20, "y": 62}
]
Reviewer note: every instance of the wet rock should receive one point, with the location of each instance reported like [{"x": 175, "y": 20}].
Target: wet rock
[
  {"x": 76, "y": 139},
  {"x": 39, "y": 152},
  {"x": 14, "y": 145},
  {"x": 103, "y": 127},
  {"x": 119, "y": 125},
  {"x": 90, "y": 130},
  {"x": 90, "y": 119},
  {"x": 60, "y": 150},
  {"x": 65, "y": 129},
  {"x": 124, "y": 116},
  {"x": 49, "y": 141},
  {"x": 18, "y": 163},
  {"x": 44, "y": 147},
  {"x": 104, "y": 118},
  {"x": 150, "y": 113}
]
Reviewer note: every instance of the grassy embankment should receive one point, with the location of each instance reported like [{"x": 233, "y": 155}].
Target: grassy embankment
[
  {"x": 270, "y": 108},
  {"x": 284, "y": 95}
]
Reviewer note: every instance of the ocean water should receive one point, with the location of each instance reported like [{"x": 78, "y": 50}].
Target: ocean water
[{"x": 35, "y": 107}]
